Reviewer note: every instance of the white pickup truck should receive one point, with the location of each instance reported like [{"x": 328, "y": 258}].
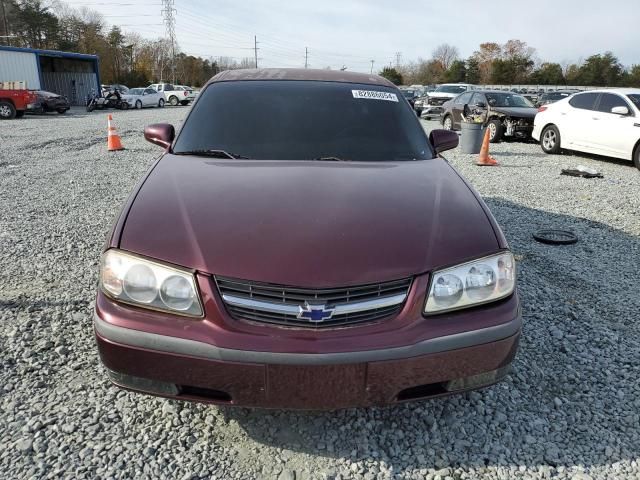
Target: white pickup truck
[{"x": 172, "y": 95}]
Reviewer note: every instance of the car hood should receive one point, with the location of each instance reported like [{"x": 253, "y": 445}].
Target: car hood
[
  {"x": 443, "y": 95},
  {"x": 304, "y": 223},
  {"x": 521, "y": 112}
]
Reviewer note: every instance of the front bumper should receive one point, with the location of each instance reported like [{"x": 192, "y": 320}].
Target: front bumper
[
  {"x": 432, "y": 111},
  {"x": 195, "y": 370}
]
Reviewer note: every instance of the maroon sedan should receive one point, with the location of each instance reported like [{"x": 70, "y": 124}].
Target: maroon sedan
[{"x": 301, "y": 244}]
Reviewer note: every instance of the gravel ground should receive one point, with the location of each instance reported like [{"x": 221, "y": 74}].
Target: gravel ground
[{"x": 568, "y": 410}]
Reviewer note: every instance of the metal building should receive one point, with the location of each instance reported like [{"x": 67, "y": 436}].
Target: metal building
[{"x": 74, "y": 75}]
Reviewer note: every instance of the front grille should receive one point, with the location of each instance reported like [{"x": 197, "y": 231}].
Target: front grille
[
  {"x": 266, "y": 298},
  {"x": 438, "y": 101}
]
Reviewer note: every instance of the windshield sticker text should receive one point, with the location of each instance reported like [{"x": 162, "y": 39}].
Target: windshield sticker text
[{"x": 373, "y": 95}]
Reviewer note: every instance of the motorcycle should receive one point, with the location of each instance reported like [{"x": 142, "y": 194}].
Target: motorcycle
[{"x": 113, "y": 99}]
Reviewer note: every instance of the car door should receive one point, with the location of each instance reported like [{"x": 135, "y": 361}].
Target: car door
[
  {"x": 478, "y": 105},
  {"x": 150, "y": 97},
  {"x": 575, "y": 120},
  {"x": 613, "y": 134},
  {"x": 458, "y": 106}
]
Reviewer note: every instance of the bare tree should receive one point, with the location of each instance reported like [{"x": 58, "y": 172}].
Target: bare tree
[{"x": 446, "y": 54}]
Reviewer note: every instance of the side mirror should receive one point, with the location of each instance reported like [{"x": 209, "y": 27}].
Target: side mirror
[
  {"x": 443, "y": 140},
  {"x": 160, "y": 134},
  {"x": 481, "y": 105},
  {"x": 620, "y": 110}
]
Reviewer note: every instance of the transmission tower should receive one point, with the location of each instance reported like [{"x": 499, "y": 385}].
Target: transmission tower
[
  {"x": 168, "y": 13},
  {"x": 398, "y": 59}
]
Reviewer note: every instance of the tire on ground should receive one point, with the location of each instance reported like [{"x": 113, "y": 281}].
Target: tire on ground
[
  {"x": 7, "y": 110},
  {"x": 495, "y": 130},
  {"x": 550, "y": 139}
]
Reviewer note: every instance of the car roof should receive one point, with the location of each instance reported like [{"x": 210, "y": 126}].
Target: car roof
[
  {"x": 305, "y": 74},
  {"x": 495, "y": 91},
  {"x": 622, "y": 91}
]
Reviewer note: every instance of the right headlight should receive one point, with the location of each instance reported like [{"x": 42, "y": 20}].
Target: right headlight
[
  {"x": 481, "y": 281},
  {"x": 149, "y": 284}
]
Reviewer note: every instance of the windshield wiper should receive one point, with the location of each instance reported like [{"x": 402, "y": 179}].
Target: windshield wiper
[
  {"x": 212, "y": 153},
  {"x": 330, "y": 159}
]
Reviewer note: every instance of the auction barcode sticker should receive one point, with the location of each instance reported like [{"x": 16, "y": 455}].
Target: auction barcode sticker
[{"x": 374, "y": 95}]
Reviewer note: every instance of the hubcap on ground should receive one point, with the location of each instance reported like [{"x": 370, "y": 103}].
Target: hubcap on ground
[{"x": 549, "y": 139}]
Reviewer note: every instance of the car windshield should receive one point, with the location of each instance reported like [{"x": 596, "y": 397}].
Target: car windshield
[
  {"x": 304, "y": 120},
  {"x": 635, "y": 98},
  {"x": 507, "y": 100},
  {"x": 450, "y": 89},
  {"x": 409, "y": 93},
  {"x": 136, "y": 91}
]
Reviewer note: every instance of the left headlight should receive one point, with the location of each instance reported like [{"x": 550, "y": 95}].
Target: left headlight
[
  {"x": 482, "y": 281},
  {"x": 149, "y": 284}
]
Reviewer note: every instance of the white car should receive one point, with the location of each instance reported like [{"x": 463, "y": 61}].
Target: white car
[
  {"x": 432, "y": 105},
  {"x": 144, "y": 97},
  {"x": 602, "y": 122},
  {"x": 172, "y": 95}
]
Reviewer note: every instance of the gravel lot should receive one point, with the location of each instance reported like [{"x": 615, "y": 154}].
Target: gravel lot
[{"x": 570, "y": 408}]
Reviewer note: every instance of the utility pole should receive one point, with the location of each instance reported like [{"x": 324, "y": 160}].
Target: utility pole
[
  {"x": 168, "y": 12},
  {"x": 306, "y": 57},
  {"x": 4, "y": 21},
  {"x": 372, "y": 61},
  {"x": 255, "y": 48}
]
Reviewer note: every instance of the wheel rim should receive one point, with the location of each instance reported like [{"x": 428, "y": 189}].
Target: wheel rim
[
  {"x": 4, "y": 111},
  {"x": 138, "y": 104},
  {"x": 447, "y": 123},
  {"x": 549, "y": 139},
  {"x": 173, "y": 101},
  {"x": 161, "y": 103},
  {"x": 492, "y": 130}
]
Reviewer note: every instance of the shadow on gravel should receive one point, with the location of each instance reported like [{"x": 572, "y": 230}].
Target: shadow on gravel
[{"x": 571, "y": 400}]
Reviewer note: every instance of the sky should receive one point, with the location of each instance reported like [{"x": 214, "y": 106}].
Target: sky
[{"x": 351, "y": 33}]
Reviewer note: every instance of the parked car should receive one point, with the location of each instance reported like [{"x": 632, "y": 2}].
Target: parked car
[
  {"x": 433, "y": 106},
  {"x": 292, "y": 267},
  {"x": 188, "y": 92},
  {"x": 50, "y": 102},
  {"x": 144, "y": 97},
  {"x": 601, "y": 122},
  {"x": 411, "y": 95},
  {"x": 507, "y": 115},
  {"x": 172, "y": 95},
  {"x": 553, "y": 96},
  {"x": 14, "y": 103}
]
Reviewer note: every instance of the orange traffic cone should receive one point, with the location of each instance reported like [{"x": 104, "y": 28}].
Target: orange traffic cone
[
  {"x": 486, "y": 160},
  {"x": 113, "y": 139}
]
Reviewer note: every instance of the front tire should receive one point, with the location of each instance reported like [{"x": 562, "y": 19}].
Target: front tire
[
  {"x": 138, "y": 104},
  {"x": 161, "y": 103},
  {"x": 184, "y": 103},
  {"x": 62, "y": 111},
  {"x": 173, "y": 100},
  {"x": 495, "y": 131},
  {"x": 447, "y": 122},
  {"x": 7, "y": 111},
  {"x": 636, "y": 157},
  {"x": 550, "y": 140}
]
